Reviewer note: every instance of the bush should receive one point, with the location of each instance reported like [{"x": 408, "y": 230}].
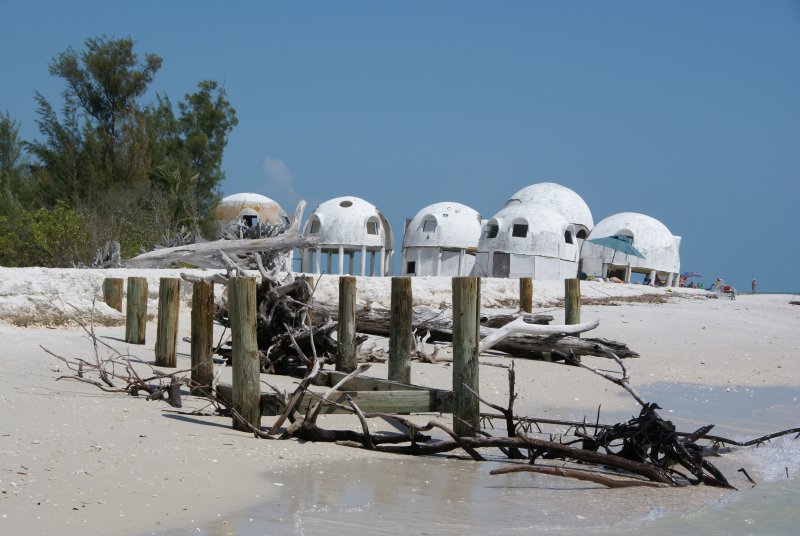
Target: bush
[{"x": 51, "y": 238}]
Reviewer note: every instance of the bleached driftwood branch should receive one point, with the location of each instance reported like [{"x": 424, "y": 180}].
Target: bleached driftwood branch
[
  {"x": 209, "y": 254},
  {"x": 521, "y": 327}
]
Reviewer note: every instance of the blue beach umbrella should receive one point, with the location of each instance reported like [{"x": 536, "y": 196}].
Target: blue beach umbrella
[{"x": 620, "y": 242}]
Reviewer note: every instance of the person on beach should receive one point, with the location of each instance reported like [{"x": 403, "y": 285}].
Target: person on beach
[{"x": 753, "y": 286}]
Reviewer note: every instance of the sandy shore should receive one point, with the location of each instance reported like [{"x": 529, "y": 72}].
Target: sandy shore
[{"x": 74, "y": 460}]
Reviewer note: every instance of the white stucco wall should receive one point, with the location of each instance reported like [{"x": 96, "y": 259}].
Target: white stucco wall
[{"x": 557, "y": 198}]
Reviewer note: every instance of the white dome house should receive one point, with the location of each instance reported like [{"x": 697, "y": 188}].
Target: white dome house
[
  {"x": 441, "y": 240},
  {"x": 537, "y": 234},
  {"x": 248, "y": 210},
  {"x": 559, "y": 199},
  {"x": 659, "y": 247},
  {"x": 348, "y": 227}
]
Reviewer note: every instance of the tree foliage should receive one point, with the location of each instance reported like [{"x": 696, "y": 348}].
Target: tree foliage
[{"x": 137, "y": 172}]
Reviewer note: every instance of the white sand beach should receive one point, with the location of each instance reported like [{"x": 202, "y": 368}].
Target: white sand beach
[{"x": 75, "y": 460}]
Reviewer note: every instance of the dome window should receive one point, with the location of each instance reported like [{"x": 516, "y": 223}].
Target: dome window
[
  {"x": 520, "y": 230},
  {"x": 581, "y": 234},
  {"x": 568, "y": 237},
  {"x": 346, "y": 203},
  {"x": 314, "y": 227},
  {"x": 250, "y": 220},
  {"x": 429, "y": 225},
  {"x": 491, "y": 230},
  {"x": 372, "y": 226}
]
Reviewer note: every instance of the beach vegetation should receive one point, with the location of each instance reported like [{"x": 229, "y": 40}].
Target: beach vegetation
[{"x": 137, "y": 172}]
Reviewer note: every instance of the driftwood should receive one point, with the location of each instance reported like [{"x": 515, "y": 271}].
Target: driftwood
[
  {"x": 436, "y": 325},
  {"x": 646, "y": 447},
  {"x": 209, "y": 254}
]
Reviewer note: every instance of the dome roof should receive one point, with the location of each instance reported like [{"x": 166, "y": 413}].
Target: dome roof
[
  {"x": 650, "y": 237},
  {"x": 558, "y": 198},
  {"x": 541, "y": 233},
  {"x": 235, "y": 206},
  {"x": 449, "y": 225},
  {"x": 349, "y": 221}
]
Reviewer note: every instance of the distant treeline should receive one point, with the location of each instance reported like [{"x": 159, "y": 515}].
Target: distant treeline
[{"x": 108, "y": 166}]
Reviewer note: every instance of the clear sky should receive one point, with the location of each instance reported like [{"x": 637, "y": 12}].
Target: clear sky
[{"x": 688, "y": 111}]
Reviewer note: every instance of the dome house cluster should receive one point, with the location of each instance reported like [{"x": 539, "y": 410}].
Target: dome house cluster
[{"x": 544, "y": 231}]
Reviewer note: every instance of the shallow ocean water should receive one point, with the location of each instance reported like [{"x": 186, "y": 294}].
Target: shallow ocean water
[{"x": 440, "y": 495}]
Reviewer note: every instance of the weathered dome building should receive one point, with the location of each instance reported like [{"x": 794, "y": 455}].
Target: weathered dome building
[
  {"x": 441, "y": 240},
  {"x": 537, "y": 234},
  {"x": 559, "y": 199},
  {"x": 248, "y": 210},
  {"x": 659, "y": 247},
  {"x": 348, "y": 228}
]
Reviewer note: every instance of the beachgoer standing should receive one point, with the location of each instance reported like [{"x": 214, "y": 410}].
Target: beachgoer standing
[{"x": 753, "y": 286}]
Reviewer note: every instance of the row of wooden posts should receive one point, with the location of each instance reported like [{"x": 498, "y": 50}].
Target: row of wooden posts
[{"x": 246, "y": 391}]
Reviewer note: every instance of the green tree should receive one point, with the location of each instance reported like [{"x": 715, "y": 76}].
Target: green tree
[
  {"x": 139, "y": 173},
  {"x": 13, "y": 164},
  {"x": 188, "y": 149},
  {"x": 104, "y": 82}
]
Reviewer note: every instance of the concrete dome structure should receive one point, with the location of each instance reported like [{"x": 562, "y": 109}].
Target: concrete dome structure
[
  {"x": 441, "y": 240},
  {"x": 557, "y": 198},
  {"x": 527, "y": 240},
  {"x": 248, "y": 210},
  {"x": 660, "y": 248},
  {"x": 348, "y": 227}
]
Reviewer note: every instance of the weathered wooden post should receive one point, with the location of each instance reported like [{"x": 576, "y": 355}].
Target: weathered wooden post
[
  {"x": 400, "y": 336},
  {"x": 169, "y": 290},
  {"x": 346, "y": 360},
  {"x": 466, "y": 325},
  {"x": 112, "y": 292},
  {"x": 245, "y": 382},
  {"x": 572, "y": 301},
  {"x": 202, "y": 336},
  {"x": 526, "y": 294},
  {"x": 136, "y": 311}
]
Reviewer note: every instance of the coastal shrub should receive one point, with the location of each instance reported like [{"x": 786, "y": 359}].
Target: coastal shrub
[{"x": 57, "y": 237}]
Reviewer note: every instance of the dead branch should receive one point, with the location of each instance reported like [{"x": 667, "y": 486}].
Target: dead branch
[{"x": 577, "y": 474}]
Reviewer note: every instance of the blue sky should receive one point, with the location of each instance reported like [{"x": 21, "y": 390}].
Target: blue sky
[{"x": 686, "y": 111}]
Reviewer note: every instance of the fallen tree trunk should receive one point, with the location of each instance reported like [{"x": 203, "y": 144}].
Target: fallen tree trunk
[
  {"x": 209, "y": 254},
  {"x": 439, "y": 324},
  {"x": 376, "y": 321}
]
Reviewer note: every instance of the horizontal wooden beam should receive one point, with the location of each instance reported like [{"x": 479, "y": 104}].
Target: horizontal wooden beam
[{"x": 390, "y": 397}]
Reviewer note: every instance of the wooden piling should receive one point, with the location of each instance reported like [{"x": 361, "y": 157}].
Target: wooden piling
[
  {"x": 400, "y": 336},
  {"x": 346, "y": 360},
  {"x": 572, "y": 301},
  {"x": 244, "y": 352},
  {"x": 112, "y": 292},
  {"x": 466, "y": 325},
  {"x": 136, "y": 311},
  {"x": 526, "y": 294},
  {"x": 202, "y": 336},
  {"x": 169, "y": 290}
]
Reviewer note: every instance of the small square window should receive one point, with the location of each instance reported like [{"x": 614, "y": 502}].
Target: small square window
[
  {"x": 314, "y": 227},
  {"x": 372, "y": 227},
  {"x": 567, "y": 237},
  {"x": 520, "y": 230},
  {"x": 250, "y": 220},
  {"x": 429, "y": 226},
  {"x": 491, "y": 231},
  {"x": 411, "y": 267}
]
